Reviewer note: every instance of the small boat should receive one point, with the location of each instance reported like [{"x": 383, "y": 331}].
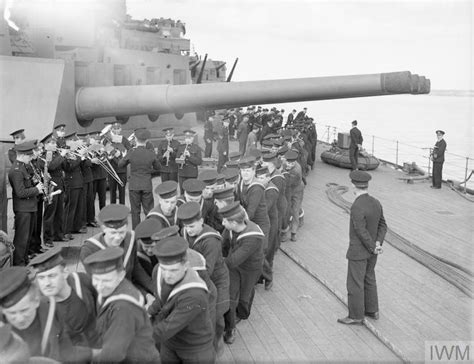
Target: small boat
[{"x": 340, "y": 157}]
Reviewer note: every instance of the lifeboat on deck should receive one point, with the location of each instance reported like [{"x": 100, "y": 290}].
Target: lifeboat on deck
[{"x": 340, "y": 157}]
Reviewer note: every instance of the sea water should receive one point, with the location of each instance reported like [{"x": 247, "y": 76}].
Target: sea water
[{"x": 409, "y": 119}]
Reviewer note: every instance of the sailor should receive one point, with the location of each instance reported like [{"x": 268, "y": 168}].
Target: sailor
[
  {"x": 167, "y": 151},
  {"x": 209, "y": 210},
  {"x": 99, "y": 174},
  {"x": 142, "y": 163},
  {"x": 231, "y": 177},
  {"x": 191, "y": 155},
  {"x": 34, "y": 318},
  {"x": 208, "y": 242},
  {"x": 208, "y": 136},
  {"x": 18, "y": 138},
  {"x": 242, "y": 134},
  {"x": 224, "y": 197},
  {"x": 122, "y": 321},
  {"x": 165, "y": 212},
  {"x": 271, "y": 198},
  {"x": 252, "y": 139},
  {"x": 291, "y": 117},
  {"x": 270, "y": 161},
  {"x": 120, "y": 145},
  {"x": 223, "y": 145},
  {"x": 296, "y": 190},
  {"x": 367, "y": 229},
  {"x": 193, "y": 192},
  {"x": 143, "y": 234},
  {"x": 243, "y": 251},
  {"x": 53, "y": 219},
  {"x": 438, "y": 159},
  {"x": 74, "y": 295},
  {"x": 183, "y": 325},
  {"x": 24, "y": 195},
  {"x": 74, "y": 180},
  {"x": 114, "y": 225},
  {"x": 251, "y": 195},
  {"x": 14, "y": 349},
  {"x": 355, "y": 145}
]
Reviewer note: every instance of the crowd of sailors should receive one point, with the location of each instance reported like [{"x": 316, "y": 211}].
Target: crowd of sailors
[{"x": 171, "y": 287}]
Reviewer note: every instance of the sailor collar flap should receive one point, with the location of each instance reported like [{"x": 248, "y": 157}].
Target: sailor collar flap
[
  {"x": 163, "y": 217},
  {"x": 130, "y": 237},
  {"x": 140, "y": 302},
  {"x": 190, "y": 280},
  {"x": 250, "y": 231}
]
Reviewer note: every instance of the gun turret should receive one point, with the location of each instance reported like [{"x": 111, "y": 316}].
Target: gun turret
[{"x": 123, "y": 101}]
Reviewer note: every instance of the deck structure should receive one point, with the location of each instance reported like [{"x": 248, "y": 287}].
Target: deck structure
[{"x": 296, "y": 320}]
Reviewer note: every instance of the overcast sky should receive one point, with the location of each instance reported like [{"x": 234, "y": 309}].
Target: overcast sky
[{"x": 286, "y": 39}]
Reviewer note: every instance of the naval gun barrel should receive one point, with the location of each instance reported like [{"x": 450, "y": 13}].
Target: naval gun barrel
[{"x": 123, "y": 101}]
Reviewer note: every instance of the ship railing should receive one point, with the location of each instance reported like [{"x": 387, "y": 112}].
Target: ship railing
[{"x": 456, "y": 167}]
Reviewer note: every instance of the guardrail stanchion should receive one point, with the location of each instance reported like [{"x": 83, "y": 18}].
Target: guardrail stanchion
[
  {"x": 373, "y": 141},
  {"x": 465, "y": 174},
  {"x": 396, "y": 158}
]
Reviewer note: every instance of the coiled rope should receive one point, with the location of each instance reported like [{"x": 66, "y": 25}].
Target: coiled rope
[{"x": 458, "y": 276}]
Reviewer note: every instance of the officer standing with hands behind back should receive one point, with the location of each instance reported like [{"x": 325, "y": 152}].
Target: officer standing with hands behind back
[{"x": 367, "y": 231}]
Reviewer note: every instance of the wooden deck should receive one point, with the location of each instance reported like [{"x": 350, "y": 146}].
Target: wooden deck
[{"x": 296, "y": 320}]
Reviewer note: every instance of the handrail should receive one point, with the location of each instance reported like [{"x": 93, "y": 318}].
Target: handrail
[{"x": 456, "y": 167}]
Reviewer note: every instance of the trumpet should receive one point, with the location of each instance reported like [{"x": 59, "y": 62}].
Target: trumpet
[{"x": 132, "y": 139}]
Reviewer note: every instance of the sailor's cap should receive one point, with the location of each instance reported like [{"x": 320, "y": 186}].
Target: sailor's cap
[
  {"x": 14, "y": 284},
  {"x": 209, "y": 177},
  {"x": 261, "y": 171},
  {"x": 291, "y": 155},
  {"x": 231, "y": 174},
  {"x": 247, "y": 162},
  {"x": 230, "y": 210},
  {"x": 224, "y": 193},
  {"x": 105, "y": 260},
  {"x": 48, "y": 260},
  {"x": 189, "y": 212},
  {"x": 59, "y": 126},
  {"x": 193, "y": 186},
  {"x": 167, "y": 189},
  {"x": 440, "y": 132},
  {"x": 114, "y": 215},
  {"x": 165, "y": 233},
  {"x": 146, "y": 229},
  {"x": 269, "y": 157},
  {"x": 171, "y": 250}
]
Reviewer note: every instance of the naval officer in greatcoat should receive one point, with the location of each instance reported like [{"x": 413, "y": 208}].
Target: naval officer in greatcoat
[
  {"x": 367, "y": 229},
  {"x": 438, "y": 159}
]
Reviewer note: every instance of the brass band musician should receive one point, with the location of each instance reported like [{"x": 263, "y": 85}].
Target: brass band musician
[
  {"x": 190, "y": 155},
  {"x": 120, "y": 145},
  {"x": 167, "y": 152}
]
